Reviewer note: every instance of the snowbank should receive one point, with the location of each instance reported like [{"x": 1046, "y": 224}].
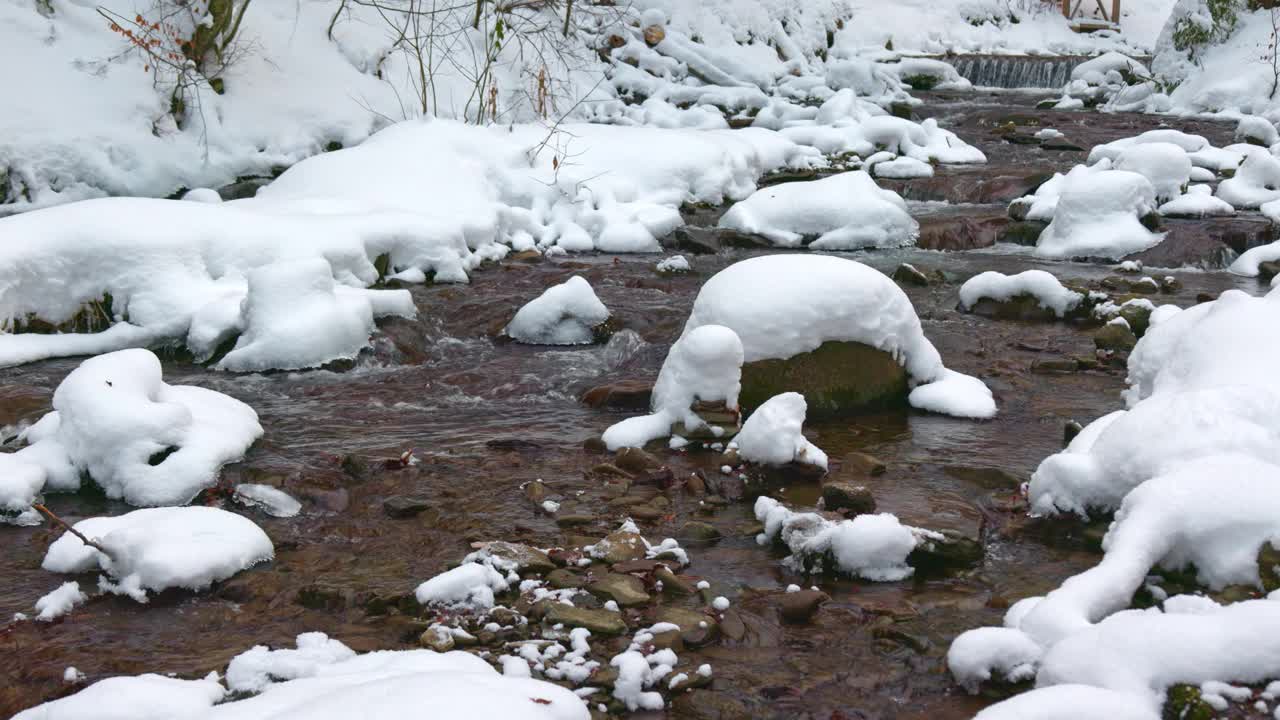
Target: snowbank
[
  {"x": 143, "y": 441},
  {"x": 566, "y": 314},
  {"x": 324, "y": 680},
  {"x": 772, "y": 434},
  {"x": 160, "y": 548},
  {"x": 842, "y": 212}
]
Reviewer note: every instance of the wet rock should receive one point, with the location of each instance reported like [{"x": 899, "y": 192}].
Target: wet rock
[
  {"x": 1019, "y": 208},
  {"x": 1070, "y": 430},
  {"x": 898, "y": 636},
  {"x": 1269, "y": 566},
  {"x": 620, "y": 546},
  {"x": 991, "y": 478},
  {"x": 332, "y": 500},
  {"x": 325, "y": 597},
  {"x": 626, "y": 590},
  {"x": 575, "y": 519},
  {"x": 731, "y": 625},
  {"x": 1144, "y": 286},
  {"x": 1268, "y": 269},
  {"x": 837, "y": 378},
  {"x": 1170, "y": 284},
  {"x": 863, "y": 464},
  {"x": 801, "y": 606},
  {"x": 693, "y": 679},
  {"x": 672, "y": 583},
  {"x": 855, "y": 499},
  {"x": 908, "y": 274},
  {"x": 1025, "y": 233},
  {"x": 403, "y": 506},
  {"x": 955, "y": 233},
  {"x": 536, "y": 491},
  {"x": 1184, "y": 702},
  {"x": 709, "y": 705},
  {"x": 654, "y": 34},
  {"x": 602, "y": 622},
  {"x": 561, "y": 579},
  {"x": 438, "y": 639},
  {"x": 696, "y": 629},
  {"x": 695, "y": 530},
  {"x": 1054, "y": 365},
  {"x": 695, "y": 484},
  {"x": 635, "y": 460},
  {"x": 356, "y": 467},
  {"x": 1018, "y": 307},
  {"x": 1115, "y": 337},
  {"x": 622, "y": 395},
  {"x": 1138, "y": 317},
  {"x": 526, "y": 559},
  {"x": 952, "y": 551}
]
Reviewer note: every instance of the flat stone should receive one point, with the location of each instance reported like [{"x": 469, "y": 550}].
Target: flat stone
[
  {"x": 673, "y": 583},
  {"x": 837, "y": 378},
  {"x": 573, "y": 520},
  {"x": 1115, "y": 338},
  {"x": 990, "y": 478},
  {"x": 620, "y": 546},
  {"x": 401, "y": 506},
  {"x": 696, "y": 530},
  {"x": 635, "y": 460},
  {"x": 603, "y": 622},
  {"x": 527, "y": 559},
  {"x": 801, "y": 606},
  {"x": 626, "y": 590},
  {"x": 952, "y": 551},
  {"x": 696, "y": 628},
  {"x": 908, "y": 274},
  {"x": 857, "y": 499},
  {"x": 622, "y": 395},
  {"x": 863, "y": 463}
]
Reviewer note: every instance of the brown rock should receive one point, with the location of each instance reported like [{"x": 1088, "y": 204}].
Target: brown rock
[
  {"x": 654, "y": 34},
  {"x": 857, "y": 499},
  {"x": 622, "y": 395},
  {"x": 800, "y": 607}
]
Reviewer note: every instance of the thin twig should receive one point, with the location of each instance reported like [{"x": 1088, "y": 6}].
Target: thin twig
[{"x": 91, "y": 543}]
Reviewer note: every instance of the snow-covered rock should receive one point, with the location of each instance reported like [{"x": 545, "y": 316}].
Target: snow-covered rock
[
  {"x": 772, "y": 435},
  {"x": 1098, "y": 215},
  {"x": 873, "y": 547},
  {"x": 1165, "y": 165},
  {"x": 842, "y": 212},
  {"x": 566, "y": 314},
  {"x": 60, "y": 601},
  {"x": 1256, "y": 182},
  {"x": 155, "y": 549},
  {"x": 143, "y": 441},
  {"x": 1047, "y": 290},
  {"x": 1197, "y": 202},
  {"x": 471, "y": 585}
]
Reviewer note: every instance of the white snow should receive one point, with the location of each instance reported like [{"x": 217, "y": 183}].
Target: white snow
[
  {"x": 842, "y": 212},
  {"x": 705, "y": 364},
  {"x": 1256, "y": 182},
  {"x": 469, "y": 585},
  {"x": 1198, "y": 202},
  {"x": 873, "y": 547},
  {"x": 674, "y": 264},
  {"x": 1097, "y": 215},
  {"x": 1043, "y": 286},
  {"x": 772, "y": 434},
  {"x": 565, "y": 314},
  {"x": 138, "y": 697},
  {"x": 1165, "y": 165},
  {"x": 113, "y": 416},
  {"x": 159, "y": 548},
  {"x": 59, "y": 602},
  {"x": 955, "y": 394}
]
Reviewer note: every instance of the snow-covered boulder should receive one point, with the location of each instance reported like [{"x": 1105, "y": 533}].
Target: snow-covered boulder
[
  {"x": 1197, "y": 202},
  {"x": 470, "y": 585},
  {"x": 154, "y": 549},
  {"x": 1098, "y": 215},
  {"x": 1257, "y": 130},
  {"x": 840, "y": 333},
  {"x": 872, "y": 547},
  {"x": 1028, "y": 295},
  {"x": 773, "y": 435},
  {"x": 143, "y": 441},
  {"x": 566, "y": 314},
  {"x": 842, "y": 212}
]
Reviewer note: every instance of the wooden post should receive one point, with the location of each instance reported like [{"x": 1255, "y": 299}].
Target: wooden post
[
  {"x": 1115, "y": 11},
  {"x": 1066, "y": 9}
]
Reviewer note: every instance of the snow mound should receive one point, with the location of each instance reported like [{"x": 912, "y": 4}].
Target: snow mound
[
  {"x": 1098, "y": 215},
  {"x": 706, "y": 365},
  {"x": 138, "y": 697},
  {"x": 1165, "y": 165},
  {"x": 842, "y": 212},
  {"x": 955, "y": 394},
  {"x": 296, "y": 317},
  {"x": 469, "y": 585},
  {"x": 566, "y": 314},
  {"x": 772, "y": 434},
  {"x": 1255, "y": 183},
  {"x": 143, "y": 441},
  {"x": 1044, "y": 287},
  {"x": 1197, "y": 202},
  {"x": 60, "y": 601},
  {"x": 160, "y": 548}
]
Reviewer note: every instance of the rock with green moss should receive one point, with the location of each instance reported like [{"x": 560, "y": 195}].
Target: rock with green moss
[
  {"x": 1184, "y": 702},
  {"x": 1115, "y": 337},
  {"x": 837, "y": 378}
]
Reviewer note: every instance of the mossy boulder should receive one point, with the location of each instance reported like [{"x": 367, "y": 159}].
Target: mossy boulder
[
  {"x": 837, "y": 378},
  {"x": 1018, "y": 307}
]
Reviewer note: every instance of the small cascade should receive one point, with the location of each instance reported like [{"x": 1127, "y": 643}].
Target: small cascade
[{"x": 1016, "y": 71}]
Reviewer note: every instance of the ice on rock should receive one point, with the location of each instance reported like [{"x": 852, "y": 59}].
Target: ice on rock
[
  {"x": 703, "y": 365},
  {"x": 772, "y": 434},
  {"x": 1097, "y": 214},
  {"x": 159, "y": 548},
  {"x": 842, "y": 212},
  {"x": 143, "y": 441},
  {"x": 1044, "y": 287},
  {"x": 296, "y": 316},
  {"x": 273, "y": 501},
  {"x": 566, "y": 314}
]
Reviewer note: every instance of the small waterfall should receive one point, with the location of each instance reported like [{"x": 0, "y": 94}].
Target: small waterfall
[{"x": 1016, "y": 71}]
